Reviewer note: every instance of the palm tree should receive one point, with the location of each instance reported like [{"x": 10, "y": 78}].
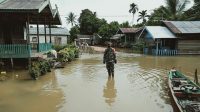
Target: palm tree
[
  {"x": 133, "y": 9},
  {"x": 194, "y": 12},
  {"x": 71, "y": 18},
  {"x": 143, "y": 15},
  {"x": 175, "y": 8}
]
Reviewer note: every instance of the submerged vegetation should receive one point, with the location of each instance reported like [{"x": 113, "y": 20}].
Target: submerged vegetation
[
  {"x": 42, "y": 66},
  {"x": 67, "y": 54},
  {"x": 39, "y": 68}
]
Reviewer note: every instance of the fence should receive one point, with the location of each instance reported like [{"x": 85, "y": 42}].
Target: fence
[
  {"x": 45, "y": 47},
  {"x": 15, "y": 50},
  {"x": 164, "y": 52}
]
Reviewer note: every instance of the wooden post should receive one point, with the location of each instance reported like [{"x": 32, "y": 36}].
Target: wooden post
[
  {"x": 28, "y": 32},
  {"x": 125, "y": 39},
  {"x": 38, "y": 40},
  {"x": 28, "y": 40},
  {"x": 157, "y": 47},
  {"x": 45, "y": 32},
  {"x": 50, "y": 32},
  {"x": 161, "y": 43},
  {"x": 12, "y": 64},
  {"x": 196, "y": 77}
]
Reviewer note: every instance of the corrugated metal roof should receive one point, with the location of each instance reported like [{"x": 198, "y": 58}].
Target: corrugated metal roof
[
  {"x": 84, "y": 36},
  {"x": 185, "y": 27},
  {"x": 159, "y": 32},
  {"x": 130, "y": 30},
  {"x": 31, "y": 6},
  {"x": 54, "y": 31},
  {"x": 117, "y": 36},
  {"x": 22, "y": 4}
]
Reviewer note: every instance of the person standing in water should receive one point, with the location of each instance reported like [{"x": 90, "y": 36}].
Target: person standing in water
[{"x": 109, "y": 59}]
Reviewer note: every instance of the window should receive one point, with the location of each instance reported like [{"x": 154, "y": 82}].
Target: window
[{"x": 34, "y": 39}]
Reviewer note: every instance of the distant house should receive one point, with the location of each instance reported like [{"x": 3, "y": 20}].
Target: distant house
[
  {"x": 159, "y": 41},
  {"x": 188, "y": 33},
  {"x": 117, "y": 40},
  {"x": 84, "y": 38},
  {"x": 89, "y": 39},
  {"x": 176, "y": 37},
  {"x": 129, "y": 35},
  {"x": 59, "y": 35}
]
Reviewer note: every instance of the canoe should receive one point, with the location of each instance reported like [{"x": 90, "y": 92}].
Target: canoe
[{"x": 185, "y": 93}]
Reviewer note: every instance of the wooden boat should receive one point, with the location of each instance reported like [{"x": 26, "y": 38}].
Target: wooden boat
[{"x": 185, "y": 93}]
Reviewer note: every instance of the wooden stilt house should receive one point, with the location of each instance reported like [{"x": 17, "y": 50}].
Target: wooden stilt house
[
  {"x": 188, "y": 34},
  {"x": 15, "y": 19},
  {"x": 159, "y": 41}
]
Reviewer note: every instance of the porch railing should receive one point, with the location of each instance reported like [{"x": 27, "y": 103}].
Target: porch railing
[
  {"x": 164, "y": 52},
  {"x": 45, "y": 47},
  {"x": 15, "y": 50}
]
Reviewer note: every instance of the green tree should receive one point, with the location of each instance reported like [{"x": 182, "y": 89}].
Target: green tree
[
  {"x": 73, "y": 32},
  {"x": 71, "y": 18},
  {"x": 194, "y": 12},
  {"x": 157, "y": 16},
  {"x": 89, "y": 23},
  {"x": 114, "y": 26},
  {"x": 133, "y": 9},
  {"x": 125, "y": 25},
  {"x": 175, "y": 8},
  {"x": 108, "y": 30},
  {"x": 142, "y": 16},
  {"x": 104, "y": 31}
]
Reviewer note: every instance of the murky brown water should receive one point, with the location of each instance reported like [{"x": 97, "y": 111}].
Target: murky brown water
[{"x": 140, "y": 85}]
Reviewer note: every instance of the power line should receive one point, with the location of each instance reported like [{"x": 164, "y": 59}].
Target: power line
[{"x": 106, "y": 16}]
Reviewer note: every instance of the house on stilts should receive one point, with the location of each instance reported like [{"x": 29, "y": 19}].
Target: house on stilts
[
  {"x": 188, "y": 34},
  {"x": 173, "y": 38},
  {"x": 15, "y": 19},
  {"x": 159, "y": 41}
]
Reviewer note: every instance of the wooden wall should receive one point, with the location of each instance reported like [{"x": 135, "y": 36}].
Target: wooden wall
[
  {"x": 189, "y": 46},
  {"x": 11, "y": 33}
]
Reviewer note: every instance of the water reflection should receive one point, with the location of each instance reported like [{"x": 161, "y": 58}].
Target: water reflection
[
  {"x": 26, "y": 95},
  {"x": 109, "y": 91}
]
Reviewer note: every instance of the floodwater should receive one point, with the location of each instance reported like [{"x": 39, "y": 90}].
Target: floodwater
[{"x": 140, "y": 85}]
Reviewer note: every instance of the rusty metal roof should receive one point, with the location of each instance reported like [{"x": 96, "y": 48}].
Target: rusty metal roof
[
  {"x": 129, "y": 30},
  {"x": 183, "y": 27}
]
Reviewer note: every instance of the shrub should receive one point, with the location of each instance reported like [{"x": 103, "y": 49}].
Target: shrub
[
  {"x": 65, "y": 54},
  {"x": 69, "y": 53},
  {"x": 40, "y": 67},
  {"x": 34, "y": 70},
  {"x": 58, "y": 47},
  {"x": 139, "y": 45}
]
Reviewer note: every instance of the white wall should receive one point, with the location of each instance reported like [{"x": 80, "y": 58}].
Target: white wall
[{"x": 42, "y": 39}]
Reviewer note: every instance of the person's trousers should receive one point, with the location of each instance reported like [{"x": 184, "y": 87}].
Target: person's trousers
[{"x": 110, "y": 67}]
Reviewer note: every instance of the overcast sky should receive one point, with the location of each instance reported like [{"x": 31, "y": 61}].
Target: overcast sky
[{"x": 111, "y": 10}]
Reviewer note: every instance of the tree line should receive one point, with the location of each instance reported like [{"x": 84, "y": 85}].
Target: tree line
[{"x": 88, "y": 23}]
